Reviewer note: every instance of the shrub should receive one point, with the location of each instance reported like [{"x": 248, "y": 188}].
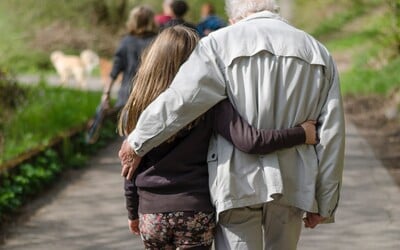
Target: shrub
[{"x": 11, "y": 95}]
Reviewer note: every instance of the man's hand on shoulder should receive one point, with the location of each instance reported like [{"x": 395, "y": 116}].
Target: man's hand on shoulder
[{"x": 129, "y": 160}]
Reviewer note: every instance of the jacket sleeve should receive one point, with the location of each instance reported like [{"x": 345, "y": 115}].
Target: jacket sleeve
[
  {"x": 330, "y": 150},
  {"x": 131, "y": 199},
  {"x": 229, "y": 124},
  {"x": 197, "y": 87}
]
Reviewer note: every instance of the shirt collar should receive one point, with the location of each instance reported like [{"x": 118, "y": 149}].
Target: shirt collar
[{"x": 263, "y": 14}]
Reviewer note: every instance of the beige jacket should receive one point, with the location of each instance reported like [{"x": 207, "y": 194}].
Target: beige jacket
[{"x": 277, "y": 77}]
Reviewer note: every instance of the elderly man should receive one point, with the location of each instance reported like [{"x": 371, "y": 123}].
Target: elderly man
[{"x": 276, "y": 76}]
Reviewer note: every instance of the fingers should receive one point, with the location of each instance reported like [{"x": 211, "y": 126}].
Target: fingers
[
  {"x": 130, "y": 173},
  {"x": 128, "y": 169},
  {"x": 129, "y": 160},
  {"x": 125, "y": 170}
]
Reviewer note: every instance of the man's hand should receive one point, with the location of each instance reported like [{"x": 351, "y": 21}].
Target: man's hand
[
  {"x": 129, "y": 160},
  {"x": 134, "y": 226},
  {"x": 312, "y": 220}
]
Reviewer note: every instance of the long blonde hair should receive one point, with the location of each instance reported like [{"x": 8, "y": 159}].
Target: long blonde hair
[{"x": 160, "y": 63}]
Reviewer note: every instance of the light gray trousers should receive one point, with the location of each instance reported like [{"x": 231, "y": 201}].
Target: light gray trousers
[{"x": 269, "y": 226}]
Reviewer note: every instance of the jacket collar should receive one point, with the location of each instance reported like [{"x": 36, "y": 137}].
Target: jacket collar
[{"x": 263, "y": 14}]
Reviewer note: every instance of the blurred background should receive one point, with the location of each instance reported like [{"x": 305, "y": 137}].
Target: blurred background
[
  {"x": 363, "y": 36},
  {"x": 42, "y": 124}
]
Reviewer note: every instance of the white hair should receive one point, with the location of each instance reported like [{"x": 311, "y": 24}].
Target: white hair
[{"x": 239, "y": 9}]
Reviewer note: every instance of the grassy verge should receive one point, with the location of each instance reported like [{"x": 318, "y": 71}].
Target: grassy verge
[
  {"x": 358, "y": 34},
  {"x": 46, "y": 112},
  {"x": 41, "y": 118},
  {"x": 370, "y": 81},
  {"x": 30, "y": 179}
]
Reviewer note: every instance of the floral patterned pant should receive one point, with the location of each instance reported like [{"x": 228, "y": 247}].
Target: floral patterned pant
[{"x": 183, "y": 230}]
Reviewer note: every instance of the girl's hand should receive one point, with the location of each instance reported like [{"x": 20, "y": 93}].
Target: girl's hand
[
  {"x": 134, "y": 226},
  {"x": 311, "y": 132},
  {"x": 312, "y": 220}
]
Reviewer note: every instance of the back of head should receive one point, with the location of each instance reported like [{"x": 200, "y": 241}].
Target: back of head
[
  {"x": 160, "y": 63},
  {"x": 207, "y": 9},
  {"x": 179, "y": 8},
  {"x": 141, "y": 21},
  {"x": 239, "y": 9}
]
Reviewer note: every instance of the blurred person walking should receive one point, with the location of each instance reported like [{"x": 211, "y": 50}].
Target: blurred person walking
[
  {"x": 210, "y": 21},
  {"x": 179, "y": 9},
  {"x": 142, "y": 29}
]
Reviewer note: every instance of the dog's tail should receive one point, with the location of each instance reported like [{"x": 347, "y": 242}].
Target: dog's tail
[{"x": 90, "y": 59}]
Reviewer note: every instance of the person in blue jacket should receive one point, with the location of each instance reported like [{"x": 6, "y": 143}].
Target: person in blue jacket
[{"x": 210, "y": 21}]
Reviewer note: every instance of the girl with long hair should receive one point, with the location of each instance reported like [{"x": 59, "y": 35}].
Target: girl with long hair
[{"x": 168, "y": 199}]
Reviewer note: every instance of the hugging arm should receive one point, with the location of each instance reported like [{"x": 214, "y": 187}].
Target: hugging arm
[{"x": 229, "y": 124}]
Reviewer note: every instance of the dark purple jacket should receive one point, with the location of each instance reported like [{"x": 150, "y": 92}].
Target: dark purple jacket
[{"x": 174, "y": 176}]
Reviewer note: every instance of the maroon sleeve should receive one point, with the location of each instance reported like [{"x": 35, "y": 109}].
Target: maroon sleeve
[
  {"x": 131, "y": 199},
  {"x": 229, "y": 124}
]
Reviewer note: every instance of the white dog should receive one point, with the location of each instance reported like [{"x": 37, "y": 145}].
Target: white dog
[{"x": 78, "y": 67}]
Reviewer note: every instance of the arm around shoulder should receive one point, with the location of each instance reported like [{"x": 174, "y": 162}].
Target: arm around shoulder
[{"x": 191, "y": 94}]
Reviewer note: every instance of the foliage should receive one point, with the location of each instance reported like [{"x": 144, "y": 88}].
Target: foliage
[
  {"x": 46, "y": 112},
  {"x": 367, "y": 80},
  {"x": 394, "y": 33},
  {"x": 11, "y": 95},
  {"x": 33, "y": 177},
  {"x": 30, "y": 179},
  {"x": 337, "y": 22},
  {"x": 360, "y": 34},
  {"x": 33, "y": 29}
]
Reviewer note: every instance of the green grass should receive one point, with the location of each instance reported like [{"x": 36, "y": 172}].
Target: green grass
[
  {"x": 367, "y": 81},
  {"x": 21, "y": 20},
  {"x": 47, "y": 112},
  {"x": 359, "y": 34},
  {"x": 337, "y": 22},
  {"x": 353, "y": 40}
]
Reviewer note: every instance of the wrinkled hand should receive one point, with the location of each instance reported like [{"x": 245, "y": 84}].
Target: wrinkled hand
[
  {"x": 129, "y": 160},
  {"x": 311, "y": 132},
  {"x": 312, "y": 220},
  {"x": 134, "y": 226}
]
